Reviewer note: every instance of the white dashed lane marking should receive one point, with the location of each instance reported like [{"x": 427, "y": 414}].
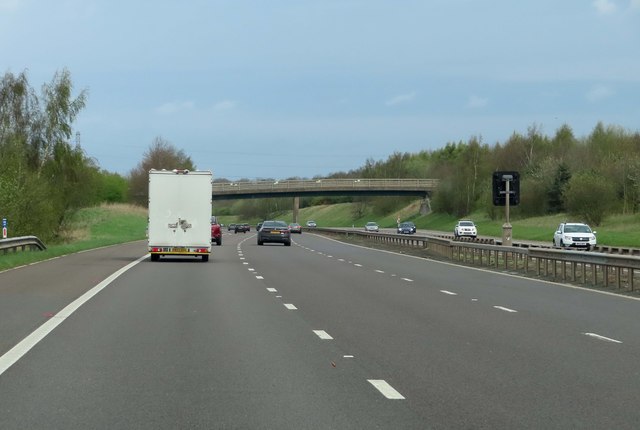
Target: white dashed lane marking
[
  {"x": 502, "y": 308},
  {"x": 290, "y": 306},
  {"x": 387, "y": 390},
  {"x": 379, "y": 271},
  {"x": 451, "y": 293},
  {"x": 272, "y": 290},
  {"x": 600, "y": 337},
  {"x": 323, "y": 334},
  {"x": 407, "y": 279},
  {"x": 259, "y": 277}
]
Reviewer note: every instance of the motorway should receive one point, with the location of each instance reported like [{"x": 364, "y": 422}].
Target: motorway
[{"x": 319, "y": 335}]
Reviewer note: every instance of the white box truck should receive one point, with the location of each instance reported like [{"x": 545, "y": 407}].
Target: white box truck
[{"x": 179, "y": 213}]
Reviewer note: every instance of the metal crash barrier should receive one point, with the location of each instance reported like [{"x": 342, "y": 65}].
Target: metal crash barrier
[
  {"x": 580, "y": 267},
  {"x": 23, "y": 243}
]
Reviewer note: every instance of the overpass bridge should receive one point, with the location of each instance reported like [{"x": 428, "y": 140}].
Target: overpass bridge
[
  {"x": 324, "y": 187},
  {"x": 422, "y": 188}
]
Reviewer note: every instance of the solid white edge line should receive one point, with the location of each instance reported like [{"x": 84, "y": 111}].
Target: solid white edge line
[
  {"x": 323, "y": 335},
  {"x": 387, "y": 390},
  {"x": 600, "y": 337},
  {"x": 18, "y": 351}
]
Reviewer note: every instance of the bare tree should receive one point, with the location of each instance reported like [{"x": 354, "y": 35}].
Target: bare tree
[{"x": 160, "y": 155}]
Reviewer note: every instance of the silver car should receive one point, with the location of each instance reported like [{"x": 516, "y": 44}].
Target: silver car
[{"x": 371, "y": 226}]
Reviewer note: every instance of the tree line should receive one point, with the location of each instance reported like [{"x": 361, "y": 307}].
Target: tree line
[{"x": 44, "y": 177}]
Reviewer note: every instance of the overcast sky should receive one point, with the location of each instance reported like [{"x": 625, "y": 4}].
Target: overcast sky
[{"x": 280, "y": 88}]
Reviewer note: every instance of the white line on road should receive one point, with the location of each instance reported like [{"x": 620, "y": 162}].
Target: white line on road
[
  {"x": 379, "y": 271},
  {"x": 290, "y": 306},
  {"x": 387, "y": 390},
  {"x": 259, "y": 277},
  {"x": 15, "y": 353},
  {"x": 245, "y": 263},
  {"x": 250, "y": 269},
  {"x": 357, "y": 265},
  {"x": 407, "y": 279},
  {"x": 347, "y": 356},
  {"x": 451, "y": 293},
  {"x": 323, "y": 334},
  {"x": 502, "y": 308},
  {"x": 272, "y": 290},
  {"x": 341, "y": 259},
  {"x": 600, "y": 337}
]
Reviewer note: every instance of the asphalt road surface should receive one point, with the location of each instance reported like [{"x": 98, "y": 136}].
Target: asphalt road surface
[{"x": 319, "y": 335}]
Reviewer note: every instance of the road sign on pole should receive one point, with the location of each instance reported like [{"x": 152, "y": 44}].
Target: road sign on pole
[{"x": 4, "y": 232}]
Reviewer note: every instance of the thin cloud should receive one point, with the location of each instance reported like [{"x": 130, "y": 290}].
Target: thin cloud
[
  {"x": 476, "y": 102},
  {"x": 401, "y": 99},
  {"x": 599, "y": 92},
  {"x": 225, "y": 105},
  {"x": 605, "y": 7},
  {"x": 634, "y": 4},
  {"x": 174, "y": 107}
]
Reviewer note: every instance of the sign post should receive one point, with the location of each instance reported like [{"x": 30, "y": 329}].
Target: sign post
[
  {"x": 4, "y": 228},
  {"x": 506, "y": 192},
  {"x": 507, "y": 230}
]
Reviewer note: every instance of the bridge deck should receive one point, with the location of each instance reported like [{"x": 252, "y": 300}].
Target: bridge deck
[{"x": 257, "y": 189}]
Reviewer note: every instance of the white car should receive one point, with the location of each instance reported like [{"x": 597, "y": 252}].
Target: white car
[
  {"x": 465, "y": 227},
  {"x": 574, "y": 234},
  {"x": 311, "y": 224},
  {"x": 371, "y": 226}
]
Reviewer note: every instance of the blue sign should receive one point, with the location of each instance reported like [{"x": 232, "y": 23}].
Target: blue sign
[{"x": 4, "y": 222}]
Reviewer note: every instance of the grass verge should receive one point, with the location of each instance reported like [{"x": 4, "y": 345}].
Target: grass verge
[{"x": 90, "y": 228}]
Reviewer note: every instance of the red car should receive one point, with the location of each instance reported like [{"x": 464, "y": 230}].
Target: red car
[{"x": 216, "y": 232}]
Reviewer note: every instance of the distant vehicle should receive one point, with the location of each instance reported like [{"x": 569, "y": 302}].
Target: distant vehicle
[
  {"x": 274, "y": 231},
  {"x": 311, "y": 224},
  {"x": 371, "y": 226},
  {"x": 231, "y": 227},
  {"x": 406, "y": 227},
  {"x": 216, "y": 231},
  {"x": 573, "y": 234},
  {"x": 465, "y": 227},
  {"x": 242, "y": 228},
  {"x": 179, "y": 213},
  {"x": 294, "y": 227}
]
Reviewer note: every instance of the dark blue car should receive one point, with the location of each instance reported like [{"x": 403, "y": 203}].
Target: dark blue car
[{"x": 406, "y": 228}]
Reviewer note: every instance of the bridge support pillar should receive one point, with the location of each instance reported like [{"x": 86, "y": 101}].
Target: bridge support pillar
[
  {"x": 296, "y": 208},
  {"x": 425, "y": 206}
]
